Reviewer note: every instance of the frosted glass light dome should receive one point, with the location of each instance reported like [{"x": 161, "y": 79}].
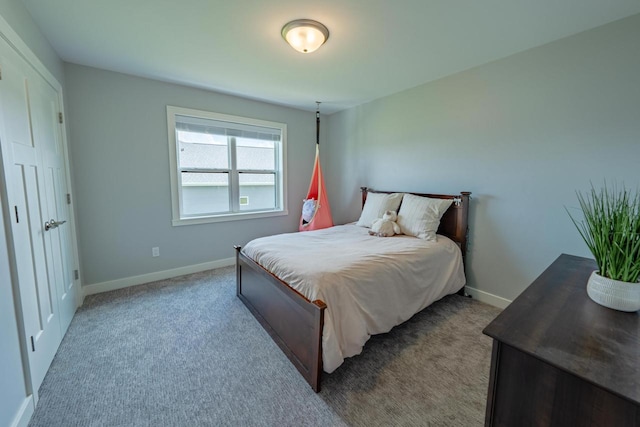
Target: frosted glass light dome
[{"x": 305, "y": 35}]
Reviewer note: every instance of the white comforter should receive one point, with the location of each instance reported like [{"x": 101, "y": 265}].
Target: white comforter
[{"x": 370, "y": 284}]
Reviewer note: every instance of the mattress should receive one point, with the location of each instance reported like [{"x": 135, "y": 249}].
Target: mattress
[{"x": 370, "y": 284}]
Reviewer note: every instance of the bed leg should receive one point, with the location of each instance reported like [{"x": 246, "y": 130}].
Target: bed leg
[
  {"x": 463, "y": 292},
  {"x": 238, "y": 275}
]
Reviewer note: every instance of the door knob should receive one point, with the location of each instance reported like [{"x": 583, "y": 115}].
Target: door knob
[{"x": 52, "y": 223}]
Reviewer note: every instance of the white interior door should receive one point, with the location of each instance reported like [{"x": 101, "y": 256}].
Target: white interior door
[
  {"x": 34, "y": 181},
  {"x": 44, "y": 107}
]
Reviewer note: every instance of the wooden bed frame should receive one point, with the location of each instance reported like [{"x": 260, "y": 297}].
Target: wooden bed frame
[{"x": 294, "y": 322}]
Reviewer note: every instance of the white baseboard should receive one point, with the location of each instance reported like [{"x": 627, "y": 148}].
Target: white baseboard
[
  {"x": 24, "y": 414},
  {"x": 488, "y": 298},
  {"x": 125, "y": 282}
]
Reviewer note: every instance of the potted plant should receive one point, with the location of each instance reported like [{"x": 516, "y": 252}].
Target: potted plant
[{"x": 611, "y": 230}]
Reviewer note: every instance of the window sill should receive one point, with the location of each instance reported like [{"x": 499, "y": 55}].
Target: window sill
[{"x": 227, "y": 217}]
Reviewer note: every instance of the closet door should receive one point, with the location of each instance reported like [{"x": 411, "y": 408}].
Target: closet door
[
  {"x": 27, "y": 185},
  {"x": 16, "y": 402},
  {"x": 44, "y": 107}
]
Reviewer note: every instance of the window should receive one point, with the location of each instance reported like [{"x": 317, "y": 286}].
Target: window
[{"x": 225, "y": 167}]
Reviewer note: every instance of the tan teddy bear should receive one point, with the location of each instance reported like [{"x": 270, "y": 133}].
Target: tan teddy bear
[{"x": 385, "y": 226}]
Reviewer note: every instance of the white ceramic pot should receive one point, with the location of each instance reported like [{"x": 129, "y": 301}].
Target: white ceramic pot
[{"x": 614, "y": 294}]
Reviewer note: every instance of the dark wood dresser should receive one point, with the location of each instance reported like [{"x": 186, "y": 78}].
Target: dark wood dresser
[{"x": 560, "y": 359}]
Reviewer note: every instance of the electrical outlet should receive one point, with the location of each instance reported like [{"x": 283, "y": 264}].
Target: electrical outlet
[{"x": 155, "y": 252}]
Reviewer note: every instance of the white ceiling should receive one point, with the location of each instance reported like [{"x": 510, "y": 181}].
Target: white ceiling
[{"x": 375, "y": 47}]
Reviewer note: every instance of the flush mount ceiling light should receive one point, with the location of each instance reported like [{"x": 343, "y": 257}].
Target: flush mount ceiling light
[{"x": 305, "y": 35}]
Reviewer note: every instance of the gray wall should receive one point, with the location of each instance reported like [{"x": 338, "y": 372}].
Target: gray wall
[
  {"x": 14, "y": 12},
  {"x": 522, "y": 134},
  {"x": 118, "y": 143}
]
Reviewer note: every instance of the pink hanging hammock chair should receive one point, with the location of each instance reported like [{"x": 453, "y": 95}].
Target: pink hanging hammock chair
[{"x": 316, "y": 213}]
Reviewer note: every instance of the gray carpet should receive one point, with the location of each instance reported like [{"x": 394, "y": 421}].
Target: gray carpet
[{"x": 186, "y": 352}]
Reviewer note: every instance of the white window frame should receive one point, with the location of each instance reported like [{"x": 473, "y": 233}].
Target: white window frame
[{"x": 176, "y": 188}]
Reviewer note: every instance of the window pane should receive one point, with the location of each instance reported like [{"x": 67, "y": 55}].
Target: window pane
[
  {"x": 205, "y": 193},
  {"x": 257, "y": 191},
  {"x": 255, "y": 154},
  {"x": 202, "y": 151}
]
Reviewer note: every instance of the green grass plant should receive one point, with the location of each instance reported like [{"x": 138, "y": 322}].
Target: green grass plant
[{"x": 611, "y": 230}]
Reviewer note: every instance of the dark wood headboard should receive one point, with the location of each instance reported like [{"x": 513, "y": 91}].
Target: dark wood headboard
[{"x": 454, "y": 223}]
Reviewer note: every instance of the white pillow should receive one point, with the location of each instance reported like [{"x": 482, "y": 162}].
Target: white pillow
[
  {"x": 420, "y": 216},
  {"x": 376, "y": 205},
  {"x": 309, "y": 207}
]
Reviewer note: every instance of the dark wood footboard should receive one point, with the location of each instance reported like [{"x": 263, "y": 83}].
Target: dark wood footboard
[{"x": 294, "y": 322}]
